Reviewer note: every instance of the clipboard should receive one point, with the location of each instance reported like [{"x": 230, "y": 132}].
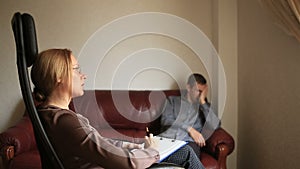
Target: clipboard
[{"x": 168, "y": 146}]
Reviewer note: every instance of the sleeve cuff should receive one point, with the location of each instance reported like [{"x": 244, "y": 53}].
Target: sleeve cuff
[{"x": 205, "y": 106}]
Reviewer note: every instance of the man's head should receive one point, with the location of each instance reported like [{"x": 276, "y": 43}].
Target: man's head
[{"x": 195, "y": 85}]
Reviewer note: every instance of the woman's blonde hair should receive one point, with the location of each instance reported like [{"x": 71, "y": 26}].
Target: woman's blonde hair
[{"x": 49, "y": 67}]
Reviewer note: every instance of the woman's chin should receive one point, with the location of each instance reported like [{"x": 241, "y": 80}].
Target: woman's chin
[{"x": 78, "y": 94}]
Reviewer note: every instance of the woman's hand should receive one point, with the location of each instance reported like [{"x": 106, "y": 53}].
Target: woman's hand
[
  {"x": 151, "y": 142},
  {"x": 127, "y": 145}
]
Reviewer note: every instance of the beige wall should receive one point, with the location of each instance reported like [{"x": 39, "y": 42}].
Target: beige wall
[
  {"x": 269, "y": 92},
  {"x": 70, "y": 24},
  {"x": 225, "y": 35}
]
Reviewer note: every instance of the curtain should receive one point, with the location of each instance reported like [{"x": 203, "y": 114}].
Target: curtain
[{"x": 286, "y": 14}]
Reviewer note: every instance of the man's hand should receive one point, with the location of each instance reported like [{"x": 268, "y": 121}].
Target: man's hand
[
  {"x": 198, "y": 138},
  {"x": 203, "y": 95}
]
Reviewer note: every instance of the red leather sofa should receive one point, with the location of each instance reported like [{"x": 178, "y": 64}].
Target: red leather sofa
[{"x": 116, "y": 114}]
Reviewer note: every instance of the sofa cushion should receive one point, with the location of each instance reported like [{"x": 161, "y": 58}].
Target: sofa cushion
[{"x": 122, "y": 109}]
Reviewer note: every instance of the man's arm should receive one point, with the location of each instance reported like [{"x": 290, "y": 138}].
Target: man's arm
[{"x": 212, "y": 121}]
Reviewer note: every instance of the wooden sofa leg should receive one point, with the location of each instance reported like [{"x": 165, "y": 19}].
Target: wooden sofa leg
[{"x": 222, "y": 155}]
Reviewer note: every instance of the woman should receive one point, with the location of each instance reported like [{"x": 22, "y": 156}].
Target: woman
[{"x": 57, "y": 79}]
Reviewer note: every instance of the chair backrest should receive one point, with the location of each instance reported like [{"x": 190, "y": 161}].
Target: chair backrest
[{"x": 26, "y": 46}]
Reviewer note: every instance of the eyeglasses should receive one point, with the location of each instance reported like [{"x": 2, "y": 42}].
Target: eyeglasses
[{"x": 78, "y": 69}]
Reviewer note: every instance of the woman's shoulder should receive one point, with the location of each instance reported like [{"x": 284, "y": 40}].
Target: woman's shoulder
[
  {"x": 54, "y": 113},
  {"x": 63, "y": 113}
]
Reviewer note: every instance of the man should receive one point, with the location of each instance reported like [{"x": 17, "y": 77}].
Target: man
[{"x": 183, "y": 117}]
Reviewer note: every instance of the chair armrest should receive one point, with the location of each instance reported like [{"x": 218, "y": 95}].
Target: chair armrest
[
  {"x": 20, "y": 137},
  {"x": 220, "y": 145}
]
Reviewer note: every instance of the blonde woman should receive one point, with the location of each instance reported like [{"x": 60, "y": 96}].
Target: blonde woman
[{"x": 57, "y": 79}]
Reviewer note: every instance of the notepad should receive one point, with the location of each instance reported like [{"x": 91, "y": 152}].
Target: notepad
[{"x": 168, "y": 146}]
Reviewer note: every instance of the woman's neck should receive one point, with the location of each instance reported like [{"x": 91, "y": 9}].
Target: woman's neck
[
  {"x": 58, "y": 101},
  {"x": 63, "y": 106}
]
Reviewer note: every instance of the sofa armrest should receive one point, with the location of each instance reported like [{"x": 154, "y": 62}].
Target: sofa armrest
[
  {"x": 223, "y": 152},
  {"x": 20, "y": 137},
  {"x": 220, "y": 145},
  {"x": 7, "y": 153}
]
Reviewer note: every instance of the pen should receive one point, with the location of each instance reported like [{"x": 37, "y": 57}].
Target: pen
[{"x": 147, "y": 132}]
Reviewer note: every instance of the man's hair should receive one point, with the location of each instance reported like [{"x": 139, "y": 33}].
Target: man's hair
[{"x": 196, "y": 78}]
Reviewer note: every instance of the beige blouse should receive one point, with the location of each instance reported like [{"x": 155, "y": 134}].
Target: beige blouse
[{"x": 80, "y": 146}]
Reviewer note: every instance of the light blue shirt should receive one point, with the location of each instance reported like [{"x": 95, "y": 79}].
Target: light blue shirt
[{"x": 178, "y": 115}]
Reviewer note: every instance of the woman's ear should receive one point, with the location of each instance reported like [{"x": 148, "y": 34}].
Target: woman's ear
[{"x": 58, "y": 80}]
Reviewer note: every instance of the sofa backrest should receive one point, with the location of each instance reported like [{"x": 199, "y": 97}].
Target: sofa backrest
[{"x": 123, "y": 110}]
